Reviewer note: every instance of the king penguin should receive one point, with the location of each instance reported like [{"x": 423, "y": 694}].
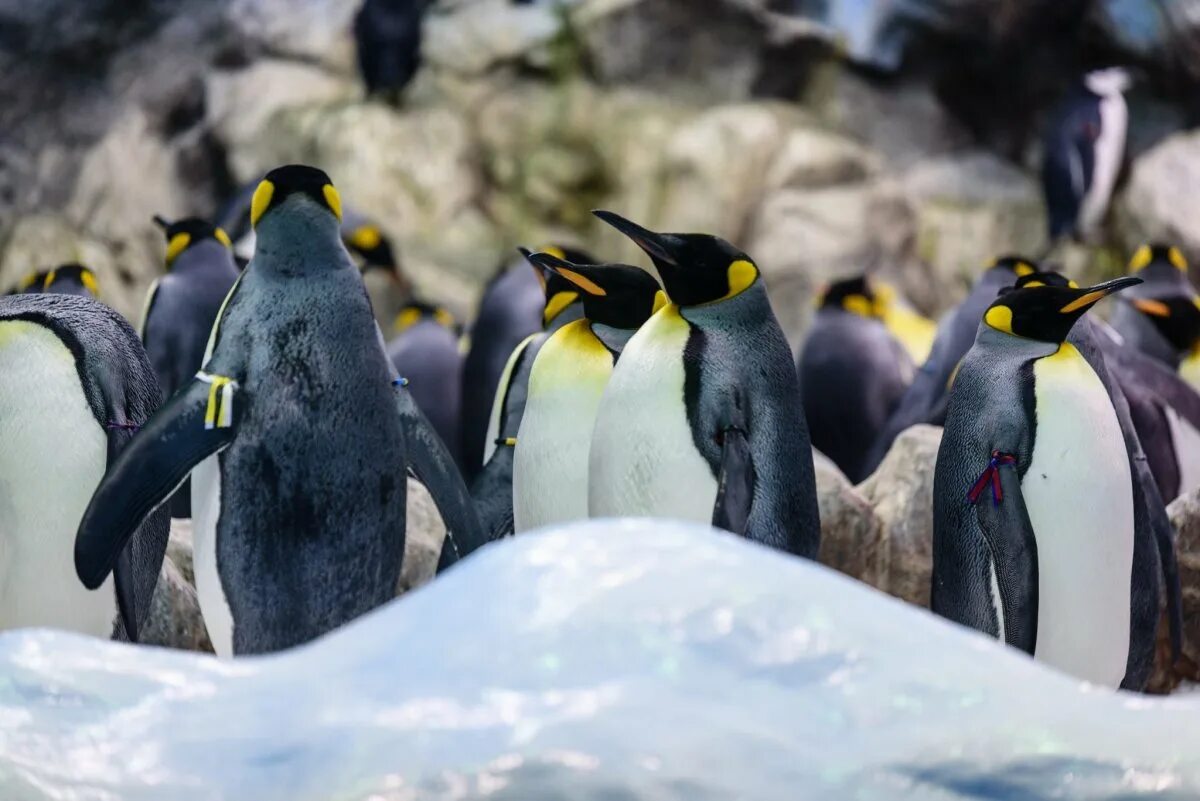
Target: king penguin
[
  {"x": 388, "y": 36},
  {"x": 1160, "y": 318},
  {"x": 424, "y": 350},
  {"x": 925, "y": 399},
  {"x": 853, "y": 372},
  {"x": 1036, "y": 540},
  {"x": 701, "y": 419},
  {"x": 572, "y": 368},
  {"x": 71, "y": 279},
  {"x": 75, "y": 385},
  {"x": 299, "y": 436},
  {"x": 1082, "y": 154}
]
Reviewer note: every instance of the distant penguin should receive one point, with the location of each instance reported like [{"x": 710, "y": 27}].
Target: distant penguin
[
  {"x": 701, "y": 419},
  {"x": 1083, "y": 150},
  {"x": 513, "y": 307},
  {"x": 75, "y": 385},
  {"x": 71, "y": 279},
  {"x": 388, "y": 36},
  {"x": 1036, "y": 501},
  {"x": 492, "y": 487},
  {"x": 572, "y": 368},
  {"x": 386, "y": 284},
  {"x": 1160, "y": 318},
  {"x": 30, "y": 283},
  {"x": 300, "y": 437},
  {"x": 424, "y": 350},
  {"x": 853, "y": 372},
  {"x": 912, "y": 330}
]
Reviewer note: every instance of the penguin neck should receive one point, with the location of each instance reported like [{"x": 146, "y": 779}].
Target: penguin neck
[
  {"x": 304, "y": 242},
  {"x": 202, "y": 257},
  {"x": 613, "y": 338},
  {"x": 569, "y": 314},
  {"x": 750, "y": 303},
  {"x": 989, "y": 337}
]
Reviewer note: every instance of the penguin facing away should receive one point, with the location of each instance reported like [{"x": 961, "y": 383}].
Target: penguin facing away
[
  {"x": 853, "y": 372},
  {"x": 299, "y": 438},
  {"x": 550, "y": 469},
  {"x": 1083, "y": 150},
  {"x": 1160, "y": 318},
  {"x": 492, "y": 488},
  {"x": 425, "y": 352},
  {"x": 71, "y": 279},
  {"x": 701, "y": 419},
  {"x": 388, "y": 36},
  {"x": 1034, "y": 497},
  {"x": 74, "y": 386}
]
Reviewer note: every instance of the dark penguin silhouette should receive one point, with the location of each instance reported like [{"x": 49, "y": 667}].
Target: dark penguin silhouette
[
  {"x": 425, "y": 352},
  {"x": 1161, "y": 317},
  {"x": 853, "y": 372},
  {"x": 75, "y": 386},
  {"x": 388, "y": 36},
  {"x": 71, "y": 279},
  {"x": 1083, "y": 150}
]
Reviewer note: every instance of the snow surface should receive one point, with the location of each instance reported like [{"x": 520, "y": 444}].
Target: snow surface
[{"x": 607, "y": 660}]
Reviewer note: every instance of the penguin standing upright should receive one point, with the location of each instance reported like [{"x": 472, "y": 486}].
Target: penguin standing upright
[
  {"x": 516, "y": 304},
  {"x": 1160, "y": 318},
  {"x": 853, "y": 372},
  {"x": 925, "y": 399},
  {"x": 388, "y": 36},
  {"x": 550, "y": 468},
  {"x": 387, "y": 286},
  {"x": 1036, "y": 539},
  {"x": 701, "y": 419},
  {"x": 425, "y": 352},
  {"x": 300, "y": 437},
  {"x": 1083, "y": 150},
  {"x": 74, "y": 386}
]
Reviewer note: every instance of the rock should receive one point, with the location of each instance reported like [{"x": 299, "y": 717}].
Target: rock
[
  {"x": 851, "y": 533},
  {"x": 424, "y": 533},
  {"x": 180, "y": 548},
  {"x": 1185, "y": 517},
  {"x": 901, "y": 493},
  {"x": 175, "y": 620},
  {"x": 40, "y": 241},
  {"x": 609, "y": 659},
  {"x": 1159, "y": 203},
  {"x": 473, "y": 38},
  {"x": 302, "y": 30}
]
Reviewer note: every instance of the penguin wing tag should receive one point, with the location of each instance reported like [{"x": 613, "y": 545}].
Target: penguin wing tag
[
  {"x": 735, "y": 481},
  {"x": 147, "y": 471},
  {"x": 1004, "y": 524},
  {"x": 435, "y": 468}
]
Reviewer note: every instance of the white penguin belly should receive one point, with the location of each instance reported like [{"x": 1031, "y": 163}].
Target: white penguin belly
[
  {"x": 550, "y": 465},
  {"x": 644, "y": 460},
  {"x": 206, "y": 512},
  {"x": 1187, "y": 452},
  {"x": 1079, "y": 495},
  {"x": 53, "y": 453},
  {"x": 1108, "y": 152}
]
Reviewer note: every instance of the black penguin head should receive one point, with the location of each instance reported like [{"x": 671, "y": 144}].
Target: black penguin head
[
  {"x": 285, "y": 186},
  {"x": 560, "y": 293},
  {"x": 71, "y": 279},
  {"x": 1020, "y": 265},
  {"x": 854, "y": 295},
  {"x": 617, "y": 295},
  {"x": 368, "y": 241},
  {"x": 31, "y": 283},
  {"x": 417, "y": 310},
  {"x": 1045, "y": 311},
  {"x": 695, "y": 268},
  {"x": 182, "y": 234},
  {"x": 1158, "y": 262}
]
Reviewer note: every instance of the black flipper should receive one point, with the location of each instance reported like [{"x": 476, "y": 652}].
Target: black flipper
[
  {"x": 435, "y": 468},
  {"x": 126, "y": 581},
  {"x": 735, "y": 481},
  {"x": 1004, "y": 521},
  {"x": 142, "y": 477}
]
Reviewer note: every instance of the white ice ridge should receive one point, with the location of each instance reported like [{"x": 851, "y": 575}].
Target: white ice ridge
[{"x": 611, "y": 660}]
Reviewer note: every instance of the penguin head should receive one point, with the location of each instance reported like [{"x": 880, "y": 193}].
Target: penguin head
[
  {"x": 1020, "y": 265},
  {"x": 696, "y": 269},
  {"x": 616, "y": 295},
  {"x": 560, "y": 293},
  {"x": 1108, "y": 81},
  {"x": 31, "y": 283},
  {"x": 1040, "y": 308},
  {"x": 301, "y": 190},
  {"x": 1158, "y": 262},
  {"x": 417, "y": 310},
  {"x": 182, "y": 234},
  {"x": 367, "y": 240},
  {"x": 855, "y": 295},
  {"x": 71, "y": 279}
]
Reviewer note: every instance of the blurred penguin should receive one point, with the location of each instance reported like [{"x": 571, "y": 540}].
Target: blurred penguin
[
  {"x": 388, "y": 36},
  {"x": 1082, "y": 155},
  {"x": 425, "y": 353},
  {"x": 387, "y": 287},
  {"x": 71, "y": 279},
  {"x": 1161, "y": 317}
]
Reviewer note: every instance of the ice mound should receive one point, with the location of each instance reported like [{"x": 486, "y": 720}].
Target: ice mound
[{"x": 607, "y": 660}]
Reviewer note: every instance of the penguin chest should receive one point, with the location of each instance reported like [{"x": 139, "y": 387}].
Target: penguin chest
[
  {"x": 644, "y": 459},
  {"x": 53, "y": 453},
  {"x": 550, "y": 467},
  {"x": 1079, "y": 494}
]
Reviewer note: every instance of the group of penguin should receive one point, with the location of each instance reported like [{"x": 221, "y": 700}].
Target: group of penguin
[{"x": 270, "y": 388}]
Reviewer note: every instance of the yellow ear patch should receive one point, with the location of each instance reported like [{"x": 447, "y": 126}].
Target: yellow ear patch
[
  {"x": 1033, "y": 283},
  {"x": 660, "y": 300},
  {"x": 1083, "y": 302},
  {"x": 999, "y": 318},
  {"x": 333, "y": 200},
  {"x": 1152, "y": 307},
  {"x": 582, "y": 281},
  {"x": 177, "y": 245},
  {"x": 556, "y": 252},
  {"x": 1023, "y": 269},
  {"x": 28, "y": 281},
  {"x": 406, "y": 319},
  {"x": 1175, "y": 255},
  {"x": 89, "y": 282},
  {"x": 50, "y": 276},
  {"x": 858, "y": 304},
  {"x": 741, "y": 275},
  {"x": 366, "y": 237},
  {"x": 222, "y": 237},
  {"x": 556, "y": 304},
  {"x": 1141, "y": 257},
  {"x": 444, "y": 318},
  {"x": 260, "y": 201}
]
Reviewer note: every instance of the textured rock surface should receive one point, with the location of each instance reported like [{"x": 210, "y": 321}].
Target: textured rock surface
[
  {"x": 175, "y": 619},
  {"x": 635, "y": 660},
  {"x": 1185, "y": 516},
  {"x": 1160, "y": 203},
  {"x": 901, "y": 493},
  {"x": 424, "y": 533},
  {"x": 851, "y": 532}
]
